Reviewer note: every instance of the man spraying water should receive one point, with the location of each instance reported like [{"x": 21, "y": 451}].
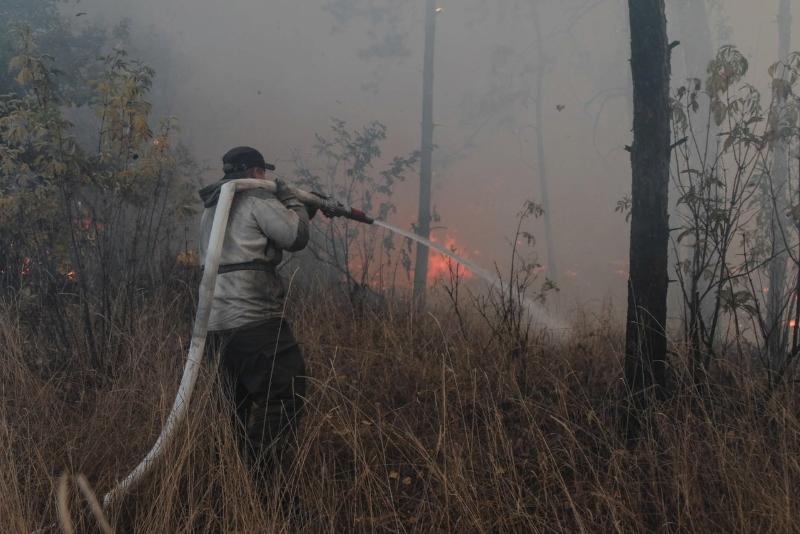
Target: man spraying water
[{"x": 260, "y": 362}]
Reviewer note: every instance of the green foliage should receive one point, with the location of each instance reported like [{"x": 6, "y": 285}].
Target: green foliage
[
  {"x": 365, "y": 255},
  {"x": 506, "y": 309},
  {"x": 97, "y": 222},
  {"x": 725, "y": 70},
  {"x": 730, "y": 192},
  {"x": 76, "y": 49}
]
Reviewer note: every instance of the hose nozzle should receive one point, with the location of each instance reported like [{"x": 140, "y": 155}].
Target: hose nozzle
[{"x": 333, "y": 208}]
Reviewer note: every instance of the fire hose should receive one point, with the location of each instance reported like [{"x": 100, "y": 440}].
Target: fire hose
[{"x": 329, "y": 207}]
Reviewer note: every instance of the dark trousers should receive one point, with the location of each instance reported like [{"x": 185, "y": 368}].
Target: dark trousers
[{"x": 263, "y": 375}]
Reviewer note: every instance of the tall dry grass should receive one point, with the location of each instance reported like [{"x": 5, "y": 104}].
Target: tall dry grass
[{"x": 414, "y": 423}]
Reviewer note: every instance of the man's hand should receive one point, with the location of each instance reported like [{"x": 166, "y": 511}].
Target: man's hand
[
  {"x": 312, "y": 210},
  {"x": 329, "y": 214},
  {"x": 286, "y": 195}
]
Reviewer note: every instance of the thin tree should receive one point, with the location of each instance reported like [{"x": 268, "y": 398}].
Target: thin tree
[
  {"x": 541, "y": 64},
  {"x": 777, "y": 201},
  {"x": 645, "y": 339},
  {"x": 423, "y": 228}
]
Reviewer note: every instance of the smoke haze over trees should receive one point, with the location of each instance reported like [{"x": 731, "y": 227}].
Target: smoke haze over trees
[{"x": 273, "y": 74}]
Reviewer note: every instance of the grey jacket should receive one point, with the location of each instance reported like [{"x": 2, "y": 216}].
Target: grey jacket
[{"x": 260, "y": 227}]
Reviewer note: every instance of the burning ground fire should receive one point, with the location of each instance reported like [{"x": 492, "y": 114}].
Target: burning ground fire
[{"x": 439, "y": 266}]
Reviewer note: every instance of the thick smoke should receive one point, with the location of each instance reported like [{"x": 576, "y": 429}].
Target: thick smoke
[{"x": 272, "y": 74}]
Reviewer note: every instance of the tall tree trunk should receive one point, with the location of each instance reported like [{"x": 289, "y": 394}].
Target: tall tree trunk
[
  {"x": 645, "y": 339},
  {"x": 776, "y": 300},
  {"x": 541, "y": 66},
  {"x": 426, "y": 156}
]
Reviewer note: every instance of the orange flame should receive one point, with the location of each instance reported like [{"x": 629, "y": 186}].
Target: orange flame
[{"x": 440, "y": 266}]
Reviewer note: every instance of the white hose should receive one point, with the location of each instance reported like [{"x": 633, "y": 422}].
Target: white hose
[{"x": 199, "y": 331}]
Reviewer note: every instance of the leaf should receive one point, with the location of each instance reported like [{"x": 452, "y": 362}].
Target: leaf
[
  {"x": 624, "y": 206},
  {"x": 781, "y": 88},
  {"x": 683, "y": 234},
  {"x": 727, "y": 68},
  {"x": 719, "y": 111},
  {"x": 530, "y": 239},
  {"x": 532, "y": 208}
]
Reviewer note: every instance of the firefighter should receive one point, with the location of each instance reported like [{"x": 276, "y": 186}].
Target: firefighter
[{"x": 261, "y": 365}]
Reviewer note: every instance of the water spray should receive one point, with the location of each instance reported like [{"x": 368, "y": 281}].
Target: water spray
[{"x": 537, "y": 312}]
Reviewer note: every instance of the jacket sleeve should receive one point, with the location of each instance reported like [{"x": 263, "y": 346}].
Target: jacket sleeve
[{"x": 285, "y": 225}]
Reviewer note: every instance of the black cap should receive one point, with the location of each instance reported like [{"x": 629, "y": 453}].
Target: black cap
[{"x": 241, "y": 158}]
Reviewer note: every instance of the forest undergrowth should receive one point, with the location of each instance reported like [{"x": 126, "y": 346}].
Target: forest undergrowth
[{"x": 415, "y": 422}]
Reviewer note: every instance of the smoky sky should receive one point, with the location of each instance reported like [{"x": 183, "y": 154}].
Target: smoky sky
[{"x": 273, "y": 73}]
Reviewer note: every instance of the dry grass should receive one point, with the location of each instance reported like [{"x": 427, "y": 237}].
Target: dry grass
[{"x": 411, "y": 426}]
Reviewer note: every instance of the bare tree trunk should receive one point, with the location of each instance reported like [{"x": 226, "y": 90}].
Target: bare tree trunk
[
  {"x": 426, "y": 156},
  {"x": 778, "y": 199},
  {"x": 541, "y": 66},
  {"x": 645, "y": 339}
]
